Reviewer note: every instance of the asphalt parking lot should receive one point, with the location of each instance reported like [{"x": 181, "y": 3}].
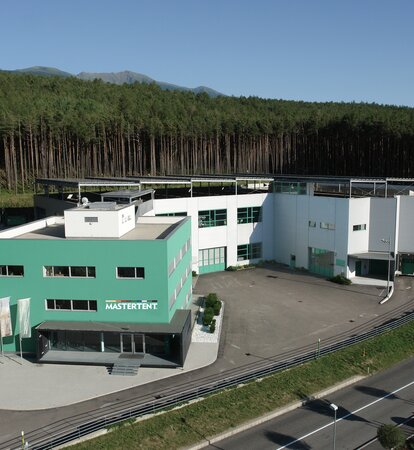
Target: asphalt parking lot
[{"x": 269, "y": 311}]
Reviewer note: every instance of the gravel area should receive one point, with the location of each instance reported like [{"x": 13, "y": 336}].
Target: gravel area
[{"x": 201, "y": 333}]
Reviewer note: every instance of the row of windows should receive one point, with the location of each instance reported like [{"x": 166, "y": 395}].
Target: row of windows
[
  {"x": 179, "y": 286},
  {"x": 69, "y": 271},
  {"x": 179, "y": 256},
  {"x": 323, "y": 225},
  {"x": 249, "y": 251},
  {"x": 172, "y": 214},
  {"x": 71, "y": 305},
  {"x": 210, "y": 256},
  {"x": 249, "y": 215},
  {"x": 73, "y": 271},
  {"x": 212, "y": 218}
]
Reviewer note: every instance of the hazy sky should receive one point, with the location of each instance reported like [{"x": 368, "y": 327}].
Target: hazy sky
[{"x": 318, "y": 50}]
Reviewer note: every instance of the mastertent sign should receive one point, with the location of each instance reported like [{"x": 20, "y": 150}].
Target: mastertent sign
[{"x": 131, "y": 304}]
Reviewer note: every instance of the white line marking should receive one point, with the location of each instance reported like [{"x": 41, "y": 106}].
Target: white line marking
[{"x": 347, "y": 415}]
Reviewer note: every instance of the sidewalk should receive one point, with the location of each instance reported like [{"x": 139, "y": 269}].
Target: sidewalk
[{"x": 25, "y": 385}]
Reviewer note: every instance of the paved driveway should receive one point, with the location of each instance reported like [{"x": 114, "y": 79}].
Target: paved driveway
[{"x": 272, "y": 310}]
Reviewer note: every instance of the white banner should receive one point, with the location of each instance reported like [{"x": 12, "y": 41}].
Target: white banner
[
  {"x": 23, "y": 317},
  {"x": 5, "y": 319}
]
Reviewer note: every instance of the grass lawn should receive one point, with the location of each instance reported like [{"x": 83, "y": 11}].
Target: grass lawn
[{"x": 230, "y": 408}]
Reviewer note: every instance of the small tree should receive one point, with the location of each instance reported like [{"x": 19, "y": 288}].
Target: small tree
[{"x": 390, "y": 436}]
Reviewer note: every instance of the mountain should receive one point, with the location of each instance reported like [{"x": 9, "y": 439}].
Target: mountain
[{"x": 125, "y": 77}]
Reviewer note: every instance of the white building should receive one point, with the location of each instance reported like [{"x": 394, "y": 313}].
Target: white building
[{"x": 329, "y": 226}]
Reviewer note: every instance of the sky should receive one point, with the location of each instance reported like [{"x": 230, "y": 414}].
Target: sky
[{"x": 311, "y": 50}]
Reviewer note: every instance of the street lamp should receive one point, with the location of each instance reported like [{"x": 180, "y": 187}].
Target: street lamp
[
  {"x": 388, "y": 241},
  {"x": 334, "y": 409}
]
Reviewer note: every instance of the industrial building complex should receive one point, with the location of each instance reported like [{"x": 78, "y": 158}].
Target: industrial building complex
[{"x": 109, "y": 271}]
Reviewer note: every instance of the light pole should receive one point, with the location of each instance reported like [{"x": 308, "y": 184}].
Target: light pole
[
  {"x": 388, "y": 241},
  {"x": 334, "y": 409}
]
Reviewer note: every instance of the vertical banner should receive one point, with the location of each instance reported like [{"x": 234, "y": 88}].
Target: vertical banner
[
  {"x": 5, "y": 319},
  {"x": 23, "y": 317}
]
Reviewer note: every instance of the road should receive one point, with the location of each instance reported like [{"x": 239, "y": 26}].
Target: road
[{"x": 387, "y": 397}]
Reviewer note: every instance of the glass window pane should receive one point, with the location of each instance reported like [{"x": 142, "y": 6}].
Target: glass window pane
[
  {"x": 3, "y": 271},
  {"x": 77, "y": 271},
  {"x": 91, "y": 272},
  {"x": 63, "y": 304},
  {"x": 49, "y": 271},
  {"x": 140, "y": 272},
  {"x": 93, "y": 305},
  {"x": 112, "y": 342},
  {"x": 126, "y": 272},
  {"x": 92, "y": 341},
  {"x": 80, "y": 305},
  {"x": 74, "y": 341},
  {"x": 50, "y": 304},
  {"x": 15, "y": 271},
  {"x": 61, "y": 271}
]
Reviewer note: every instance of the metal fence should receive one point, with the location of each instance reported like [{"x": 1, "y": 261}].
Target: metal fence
[{"x": 63, "y": 431}]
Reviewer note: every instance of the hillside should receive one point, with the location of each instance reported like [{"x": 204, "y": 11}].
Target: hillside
[{"x": 66, "y": 127}]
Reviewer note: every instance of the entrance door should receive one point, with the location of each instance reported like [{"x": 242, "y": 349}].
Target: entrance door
[
  {"x": 358, "y": 268},
  {"x": 126, "y": 343},
  {"x": 132, "y": 343}
]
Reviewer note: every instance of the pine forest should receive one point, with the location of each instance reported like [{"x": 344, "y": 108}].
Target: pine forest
[{"x": 65, "y": 127}]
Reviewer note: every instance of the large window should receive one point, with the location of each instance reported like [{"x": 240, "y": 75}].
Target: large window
[
  {"x": 360, "y": 227},
  {"x": 249, "y": 251},
  {"x": 69, "y": 271},
  {"x": 249, "y": 214},
  {"x": 11, "y": 271},
  {"x": 130, "y": 272},
  {"x": 212, "y": 218},
  {"x": 327, "y": 226},
  {"x": 71, "y": 305}
]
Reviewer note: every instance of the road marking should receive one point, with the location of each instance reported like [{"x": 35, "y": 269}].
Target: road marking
[{"x": 346, "y": 416}]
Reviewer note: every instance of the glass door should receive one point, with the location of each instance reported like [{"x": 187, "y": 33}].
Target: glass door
[
  {"x": 139, "y": 343},
  {"x": 126, "y": 343}
]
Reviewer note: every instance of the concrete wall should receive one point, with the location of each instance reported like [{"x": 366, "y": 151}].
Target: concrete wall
[
  {"x": 382, "y": 223},
  {"x": 231, "y": 235},
  {"x": 405, "y": 242},
  {"x": 294, "y": 236}
]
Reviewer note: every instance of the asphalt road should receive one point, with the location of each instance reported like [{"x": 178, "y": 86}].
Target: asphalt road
[
  {"x": 387, "y": 397},
  {"x": 312, "y": 294}
]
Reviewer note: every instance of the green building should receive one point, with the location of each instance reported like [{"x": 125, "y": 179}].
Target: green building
[{"x": 103, "y": 284}]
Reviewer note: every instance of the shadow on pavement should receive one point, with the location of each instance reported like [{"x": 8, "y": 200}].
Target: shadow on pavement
[
  {"x": 375, "y": 392},
  {"x": 283, "y": 439},
  {"x": 322, "y": 407}
]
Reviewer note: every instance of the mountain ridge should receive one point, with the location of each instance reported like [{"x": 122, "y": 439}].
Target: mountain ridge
[{"x": 122, "y": 77}]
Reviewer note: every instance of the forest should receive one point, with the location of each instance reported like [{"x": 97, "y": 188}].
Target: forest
[{"x": 65, "y": 127}]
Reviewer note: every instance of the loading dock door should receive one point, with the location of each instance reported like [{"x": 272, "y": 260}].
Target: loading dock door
[
  {"x": 212, "y": 260},
  {"x": 407, "y": 265}
]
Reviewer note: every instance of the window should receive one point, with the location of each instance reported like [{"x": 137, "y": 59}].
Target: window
[
  {"x": 249, "y": 251},
  {"x": 69, "y": 271},
  {"x": 211, "y": 256},
  {"x": 11, "y": 271},
  {"x": 249, "y": 214},
  {"x": 212, "y": 218},
  {"x": 172, "y": 214},
  {"x": 130, "y": 272},
  {"x": 71, "y": 305},
  {"x": 91, "y": 219},
  {"x": 360, "y": 227},
  {"x": 312, "y": 224},
  {"x": 327, "y": 226}
]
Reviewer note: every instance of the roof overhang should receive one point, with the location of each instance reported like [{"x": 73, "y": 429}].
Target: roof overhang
[{"x": 382, "y": 256}]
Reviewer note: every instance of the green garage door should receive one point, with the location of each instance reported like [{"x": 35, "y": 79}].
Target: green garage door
[
  {"x": 407, "y": 265},
  {"x": 321, "y": 261},
  {"x": 212, "y": 260}
]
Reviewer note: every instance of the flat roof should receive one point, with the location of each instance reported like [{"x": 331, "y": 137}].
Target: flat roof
[
  {"x": 141, "y": 231},
  {"x": 174, "y": 327},
  {"x": 127, "y": 193},
  {"x": 77, "y": 182}
]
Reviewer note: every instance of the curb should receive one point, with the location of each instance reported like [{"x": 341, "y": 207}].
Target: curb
[{"x": 274, "y": 414}]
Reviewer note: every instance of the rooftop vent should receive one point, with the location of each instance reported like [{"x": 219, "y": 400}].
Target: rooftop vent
[{"x": 106, "y": 206}]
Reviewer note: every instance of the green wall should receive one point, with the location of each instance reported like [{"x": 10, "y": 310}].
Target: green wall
[{"x": 106, "y": 256}]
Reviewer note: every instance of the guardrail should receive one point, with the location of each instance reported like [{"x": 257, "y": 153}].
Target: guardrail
[{"x": 62, "y": 432}]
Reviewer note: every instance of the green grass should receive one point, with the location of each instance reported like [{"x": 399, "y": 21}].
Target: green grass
[
  {"x": 12, "y": 200},
  {"x": 226, "y": 410}
]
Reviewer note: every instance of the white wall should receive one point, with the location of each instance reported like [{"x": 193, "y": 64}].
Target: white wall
[
  {"x": 110, "y": 223},
  {"x": 382, "y": 221},
  {"x": 359, "y": 213},
  {"x": 292, "y": 234},
  {"x": 231, "y": 235},
  {"x": 405, "y": 243}
]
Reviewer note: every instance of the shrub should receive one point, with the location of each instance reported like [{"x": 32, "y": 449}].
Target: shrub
[
  {"x": 211, "y": 300},
  {"x": 340, "y": 279},
  {"x": 208, "y": 316},
  {"x": 194, "y": 273},
  {"x": 217, "y": 307},
  {"x": 231, "y": 268},
  {"x": 390, "y": 436},
  {"x": 213, "y": 326}
]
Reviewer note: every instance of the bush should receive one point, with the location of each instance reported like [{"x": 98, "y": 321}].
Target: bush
[
  {"x": 217, "y": 307},
  {"x": 340, "y": 279},
  {"x": 213, "y": 326},
  {"x": 231, "y": 268},
  {"x": 194, "y": 273},
  {"x": 211, "y": 300},
  {"x": 208, "y": 316},
  {"x": 390, "y": 436}
]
